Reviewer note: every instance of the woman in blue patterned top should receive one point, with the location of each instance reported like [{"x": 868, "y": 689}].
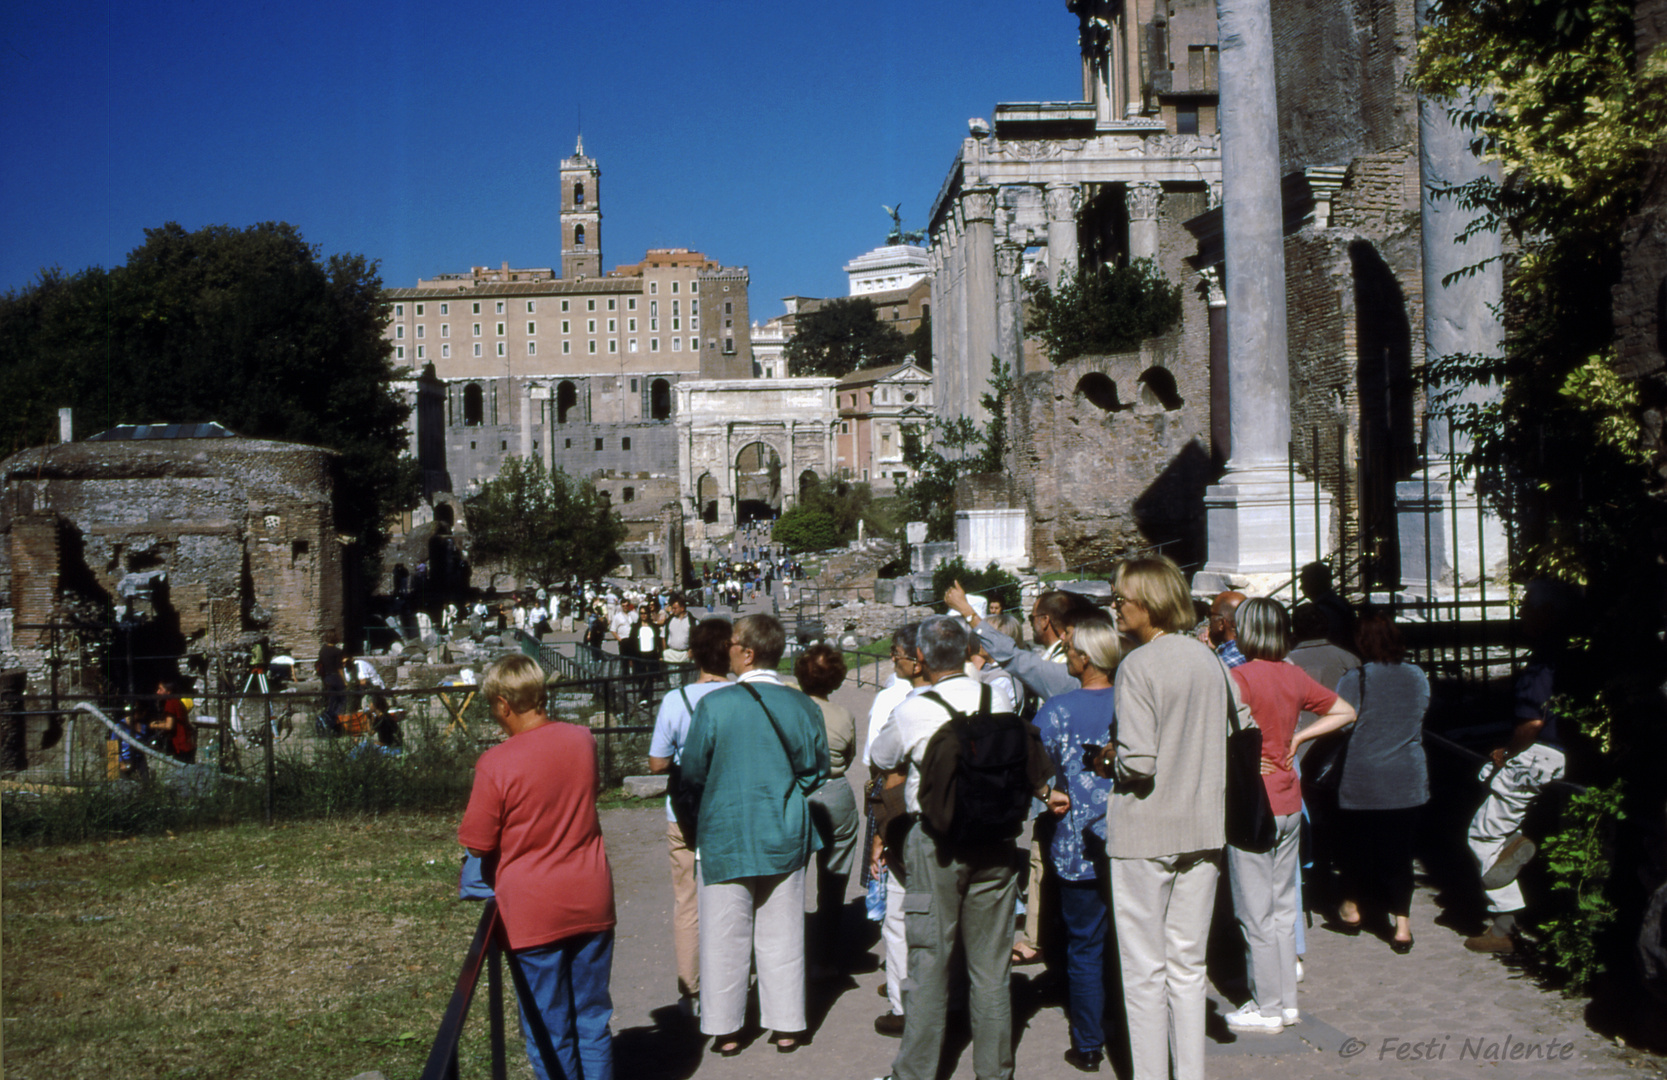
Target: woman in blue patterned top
[{"x": 1074, "y": 726}]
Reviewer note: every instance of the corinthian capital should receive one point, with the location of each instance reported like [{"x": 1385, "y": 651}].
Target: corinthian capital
[{"x": 1143, "y": 201}]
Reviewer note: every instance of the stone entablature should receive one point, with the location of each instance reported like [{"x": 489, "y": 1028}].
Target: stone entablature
[{"x": 893, "y": 266}]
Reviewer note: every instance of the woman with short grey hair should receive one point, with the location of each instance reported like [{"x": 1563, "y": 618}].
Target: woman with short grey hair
[{"x": 1264, "y": 883}]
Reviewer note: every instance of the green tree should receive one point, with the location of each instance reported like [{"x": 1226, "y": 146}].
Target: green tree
[
  {"x": 249, "y": 327},
  {"x": 1571, "y": 117},
  {"x": 545, "y": 527},
  {"x": 842, "y": 336},
  {"x": 949, "y": 449},
  {"x": 806, "y": 528},
  {"x": 1109, "y": 310}
]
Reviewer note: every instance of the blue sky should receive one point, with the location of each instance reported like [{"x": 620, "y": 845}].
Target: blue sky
[{"x": 428, "y": 135}]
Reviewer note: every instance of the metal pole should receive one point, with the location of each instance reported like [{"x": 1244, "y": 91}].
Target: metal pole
[
  {"x": 495, "y": 1002},
  {"x": 1291, "y": 493},
  {"x": 1342, "y": 501},
  {"x": 1453, "y": 505},
  {"x": 1429, "y": 555},
  {"x": 271, "y": 738},
  {"x": 1314, "y": 459}
]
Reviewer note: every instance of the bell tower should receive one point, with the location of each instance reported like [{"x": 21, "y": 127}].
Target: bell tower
[{"x": 581, "y": 216}]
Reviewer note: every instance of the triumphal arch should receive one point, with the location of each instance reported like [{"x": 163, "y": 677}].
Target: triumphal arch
[{"x": 747, "y": 447}]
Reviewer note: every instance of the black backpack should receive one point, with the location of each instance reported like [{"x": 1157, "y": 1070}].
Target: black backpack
[{"x": 979, "y": 773}]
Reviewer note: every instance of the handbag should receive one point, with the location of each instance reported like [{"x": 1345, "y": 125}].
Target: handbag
[
  {"x": 1323, "y": 765},
  {"x": 1250, "y": 824}
]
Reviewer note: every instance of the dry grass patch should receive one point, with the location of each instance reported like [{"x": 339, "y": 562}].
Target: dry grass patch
[{"x": 318, "y": 949}]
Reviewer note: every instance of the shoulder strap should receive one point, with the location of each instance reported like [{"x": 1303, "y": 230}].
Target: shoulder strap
[
  {"x": 954, "y": 713},
  {"x": 683, "y": 692},
  {"x": 773, "y": 725}
]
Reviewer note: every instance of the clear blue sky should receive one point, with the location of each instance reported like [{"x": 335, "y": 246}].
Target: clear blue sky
[{"x": 428, "y": 135}]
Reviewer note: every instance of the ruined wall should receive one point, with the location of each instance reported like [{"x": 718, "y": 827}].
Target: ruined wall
[
  {"x": 244, "y": 528},
  {"x": 1341, "y": 79}
]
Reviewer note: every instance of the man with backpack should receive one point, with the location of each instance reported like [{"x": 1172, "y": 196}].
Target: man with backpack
[{"x": 967, "y": 799}]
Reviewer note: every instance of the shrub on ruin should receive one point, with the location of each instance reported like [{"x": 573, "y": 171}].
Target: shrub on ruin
[{"x": 1111, "y": 309}]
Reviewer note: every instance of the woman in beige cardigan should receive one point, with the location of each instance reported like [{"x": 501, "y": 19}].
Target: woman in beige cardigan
[{"x": 1164, "y": 829}]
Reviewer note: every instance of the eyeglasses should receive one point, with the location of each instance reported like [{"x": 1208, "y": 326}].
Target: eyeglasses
[{"x": 1118, "y": 600}]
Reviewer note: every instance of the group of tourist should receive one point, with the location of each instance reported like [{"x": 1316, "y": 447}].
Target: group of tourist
[{"x": 1132, "y": 711}]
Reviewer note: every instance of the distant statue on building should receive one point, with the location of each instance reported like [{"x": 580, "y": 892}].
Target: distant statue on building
[{"x": 897, "y": 235}]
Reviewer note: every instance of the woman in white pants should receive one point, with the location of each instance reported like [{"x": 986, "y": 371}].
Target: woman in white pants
[{"x": 1264, "y": 883}]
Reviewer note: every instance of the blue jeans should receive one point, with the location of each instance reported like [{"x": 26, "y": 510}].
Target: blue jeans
[
  {"x": 1082, "y": 908},
  {"x": 569, "y": 983}
]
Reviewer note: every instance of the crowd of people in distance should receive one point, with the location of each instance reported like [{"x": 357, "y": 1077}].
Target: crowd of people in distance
[{"x": 1117, "y": 794}]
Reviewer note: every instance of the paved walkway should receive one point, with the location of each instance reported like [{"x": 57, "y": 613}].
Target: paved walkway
[{"x": 1438, "y": 1012}]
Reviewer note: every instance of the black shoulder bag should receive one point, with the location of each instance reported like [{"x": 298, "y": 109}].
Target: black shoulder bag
[{"x": 1250, "y": 824}]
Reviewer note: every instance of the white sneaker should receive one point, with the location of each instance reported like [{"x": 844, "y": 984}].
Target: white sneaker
[
  {"x": 1299, "y": 971},
  {"x": 1289, "y": 1016},
  {"x": 1250, "y": 1020}
]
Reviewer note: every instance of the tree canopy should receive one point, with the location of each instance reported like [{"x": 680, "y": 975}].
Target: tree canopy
[
  {"x": 843, "y": 336},
  {"x": 544, "y": 526},
  {"x": 249, "y": 327}
]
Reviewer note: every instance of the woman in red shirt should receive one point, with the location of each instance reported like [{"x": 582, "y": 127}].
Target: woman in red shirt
[
  {"x": 1265, "y": 885},
  {"x": 533, "y": 806}
]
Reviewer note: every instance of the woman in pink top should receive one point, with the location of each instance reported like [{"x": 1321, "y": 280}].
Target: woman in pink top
[
  {"x": 533, "y": 807},
  {"x": 1264, "y": 885}
]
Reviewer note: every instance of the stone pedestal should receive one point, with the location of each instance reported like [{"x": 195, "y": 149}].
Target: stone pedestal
[
  {"x": 1249, "y": 517},
  {"x": 1449, "y": 539},
  {"x": 992, "y": 536}
]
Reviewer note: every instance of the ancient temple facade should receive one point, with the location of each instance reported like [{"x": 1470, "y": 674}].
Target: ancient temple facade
[{"x": 1078, "y": 183}]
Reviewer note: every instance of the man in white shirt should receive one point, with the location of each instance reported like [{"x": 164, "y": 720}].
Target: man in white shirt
[
  {"x": 954, "y": 894},
  {"x": 679, "y": 626}
]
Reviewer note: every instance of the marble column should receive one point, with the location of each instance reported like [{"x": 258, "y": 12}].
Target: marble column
[
  {"x": 1063, "y": 203},
  {"x": 1009, "y": 306},
  {"x": 1142, "y": 200},
  {"x": 1248, "y": 514},
  {"x": 1459, "y": 317},
  {"x": 978, "y": 208}
]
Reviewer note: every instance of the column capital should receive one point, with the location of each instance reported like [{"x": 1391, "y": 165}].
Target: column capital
[
  {"x": 1214, "y": 294},
  {"x": 978, "y": 204},
  {"x": 1064, "y": 200},
  {"x": 1009, "y": 256},
  {"x": 1143, "y": 199}
]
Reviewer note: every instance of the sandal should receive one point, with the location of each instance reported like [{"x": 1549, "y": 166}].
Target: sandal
[
  {"x": 786, "y": 1044},
  {"x": 727, "y": 1045},
  {"x": 1021, "y": 958}
]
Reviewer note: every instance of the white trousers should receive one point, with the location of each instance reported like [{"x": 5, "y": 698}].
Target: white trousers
[
  {"x": 1510, "y": 790},
  {"x": 1162, "y": 910},
  {"x": 753, "y": 920},
  {"x": 896, "y": 944},
  {"x": 1265, "y": 901}
]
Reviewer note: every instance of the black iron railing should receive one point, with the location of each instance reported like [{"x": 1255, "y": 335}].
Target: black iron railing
[{"x": 488, "y": 950}]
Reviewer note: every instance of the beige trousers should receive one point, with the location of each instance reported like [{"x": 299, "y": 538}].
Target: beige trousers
[
  {"x": 758, "y": 919},
  {"x": 685, "y": 912},
  {"x": 1162, "y": 912}
]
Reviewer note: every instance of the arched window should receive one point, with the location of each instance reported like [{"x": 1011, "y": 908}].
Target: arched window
[
  {"x": 567, "y": 399},
  {"x": 474, "y": 408},
  {"x": 1100, "y": 391},
  {"x": 578, "y": 236},
  {"x": 579, "y": 193},
  {"x": 1157, "y": 387},
  {"x": 659, "y": 399}
]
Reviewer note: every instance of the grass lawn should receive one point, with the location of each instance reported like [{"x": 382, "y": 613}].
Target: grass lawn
[{"x": 316, "y": 949}]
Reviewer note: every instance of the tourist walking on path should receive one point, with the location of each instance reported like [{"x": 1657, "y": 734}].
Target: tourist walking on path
[
  {"x": 1164, "y": 823},
  {"x": 756, "y": 750},
  {"x": 532, "y": 812},
  {"x": 1264, "y": 884},
  {"x": 1385, "y": 780}
]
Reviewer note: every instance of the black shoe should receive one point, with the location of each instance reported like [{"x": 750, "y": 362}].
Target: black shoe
[
  {"x": 889, "y": 1024},
  {"x": 1084, "y": 1060}
]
